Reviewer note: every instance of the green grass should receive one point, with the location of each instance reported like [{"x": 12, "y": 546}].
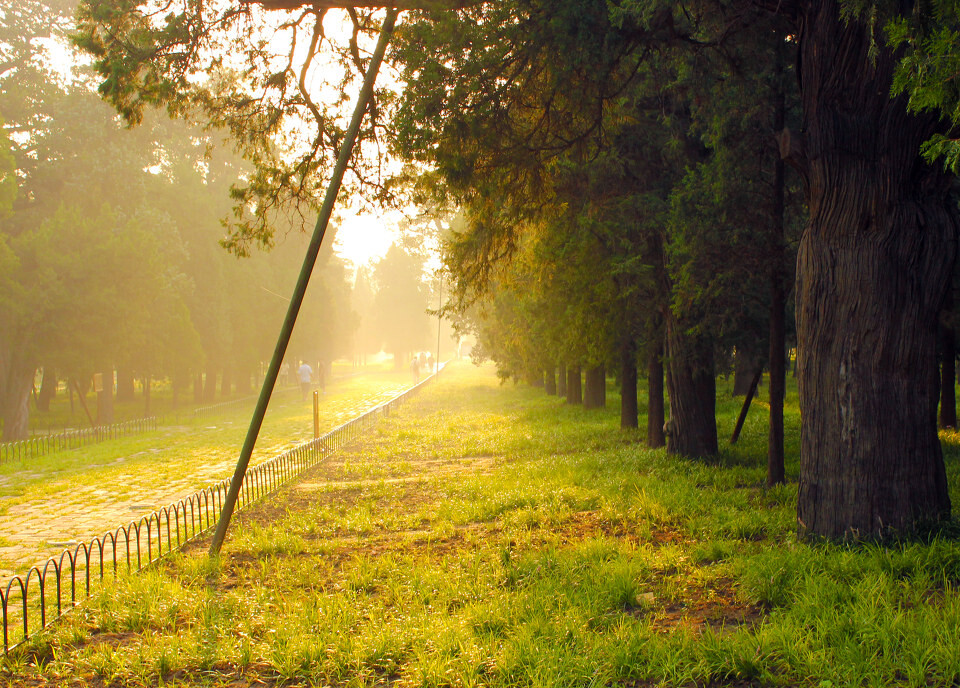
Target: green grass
[{"x": 493, "y": 536}]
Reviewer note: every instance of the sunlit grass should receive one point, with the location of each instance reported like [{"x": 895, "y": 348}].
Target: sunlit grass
[{"x": 488, "y": 536}]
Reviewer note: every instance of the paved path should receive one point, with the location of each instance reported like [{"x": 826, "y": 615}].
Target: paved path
[{"x": 37, "y": 526}]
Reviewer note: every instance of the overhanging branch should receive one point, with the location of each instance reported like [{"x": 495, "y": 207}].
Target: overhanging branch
[{"x": 369, "y": 4}]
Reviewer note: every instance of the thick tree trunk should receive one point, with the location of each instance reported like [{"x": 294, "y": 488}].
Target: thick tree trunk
[
  {"x": 595, "y": 388},
  {"x": 656, "y": 409},
  {"x": 948, "y": 378},
  {"x": 125, "y": 384},
  {"x": 562, "y": 380},
  {"x": 629, "y": 411},
  {"x": 691, "y": 385},
  {"x": 550, "y": 380},
  {"x": 574, "y": 385},
  {"x": 872, "y": 270},
  {"x": 48, "y": 389}
]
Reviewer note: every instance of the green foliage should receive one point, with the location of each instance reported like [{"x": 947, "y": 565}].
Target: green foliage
[{"x": 926, "y": 73}]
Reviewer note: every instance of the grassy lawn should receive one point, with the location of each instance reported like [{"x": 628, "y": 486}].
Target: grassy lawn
[{"x": 494, "y": 536}]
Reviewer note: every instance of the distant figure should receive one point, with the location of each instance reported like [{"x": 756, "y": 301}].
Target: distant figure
[
  {"x": 415, "y": 369},
  {"x": 429, "y": 363},
  {"x": 304, "y": 372}
]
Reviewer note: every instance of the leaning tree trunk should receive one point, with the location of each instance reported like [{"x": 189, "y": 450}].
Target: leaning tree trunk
[
  {"x": 948, "y": 377},
  {"x": 691, "y": 386},
  {"x": 629, "y": 411},
  {"x": 595, "y": 388},
  {"x": 656, "y": 411},
  {"x": 873, "y": 267},
  {"x": 574, "y": 386}
]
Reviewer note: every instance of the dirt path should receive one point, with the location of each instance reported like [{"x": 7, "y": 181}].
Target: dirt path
[{"x": 63, "y": 512}]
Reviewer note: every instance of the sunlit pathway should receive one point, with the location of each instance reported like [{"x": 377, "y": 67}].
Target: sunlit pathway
[{"x": 58, "y": 513}]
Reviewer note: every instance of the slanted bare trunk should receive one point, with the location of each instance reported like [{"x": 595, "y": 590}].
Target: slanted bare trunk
[{"x": 873, "y": 267}]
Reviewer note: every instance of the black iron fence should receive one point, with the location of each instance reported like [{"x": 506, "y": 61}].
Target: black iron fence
[
  {"x": 33, "y": 600},
  {"x": 72, "y": 439}
]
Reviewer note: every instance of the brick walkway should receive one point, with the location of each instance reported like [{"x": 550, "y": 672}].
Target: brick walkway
[{"x": 35, "y": 528}]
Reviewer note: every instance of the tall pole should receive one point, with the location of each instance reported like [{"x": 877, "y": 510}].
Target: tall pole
[
  {"x": 326, "y": 210},
  {"x": 439, "y": 320}
]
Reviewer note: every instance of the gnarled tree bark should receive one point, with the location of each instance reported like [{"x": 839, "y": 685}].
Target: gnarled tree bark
[{"x": 873, "y": 267}]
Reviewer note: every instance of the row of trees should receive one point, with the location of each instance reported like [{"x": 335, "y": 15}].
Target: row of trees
[
  {"x": 623, "y": 153},
  {"x": 622, "y": 170},
  {"x": 109, "y": 253}
]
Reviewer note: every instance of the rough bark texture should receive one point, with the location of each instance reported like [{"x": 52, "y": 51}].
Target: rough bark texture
[
  {"x": 948, "y": 378},
  {"x": 629, "y": 411},
  {"x": 595, "y": 388},
  {"x": 574, "y": 385},
  {"x": 691, "y": 386},
  {"x": 873, "y": 266},
  {"x": 656, "y": 411},
  {"x": 550, "y": 381}
]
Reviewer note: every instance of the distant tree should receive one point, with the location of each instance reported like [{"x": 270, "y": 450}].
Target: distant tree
[{"x": 400, "y": 304}]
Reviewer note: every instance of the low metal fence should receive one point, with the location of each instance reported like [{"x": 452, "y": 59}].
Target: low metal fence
[
  {"x": 40, "y": 445},
  {"x": 32, "y": 601}
]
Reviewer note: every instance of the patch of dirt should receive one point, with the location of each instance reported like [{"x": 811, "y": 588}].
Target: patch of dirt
[{"x": 713, "y": 606}]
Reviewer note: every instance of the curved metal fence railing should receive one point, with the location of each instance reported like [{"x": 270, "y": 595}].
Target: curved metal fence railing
[
  {"x": 32, "y": 601},
  {"x": 40, "y": 445}
]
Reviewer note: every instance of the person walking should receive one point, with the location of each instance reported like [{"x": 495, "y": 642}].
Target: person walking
[{"x": 305, "y": 373}]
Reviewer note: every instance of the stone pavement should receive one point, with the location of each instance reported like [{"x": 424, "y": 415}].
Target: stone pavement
[{"x": 42, "y": 526}]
